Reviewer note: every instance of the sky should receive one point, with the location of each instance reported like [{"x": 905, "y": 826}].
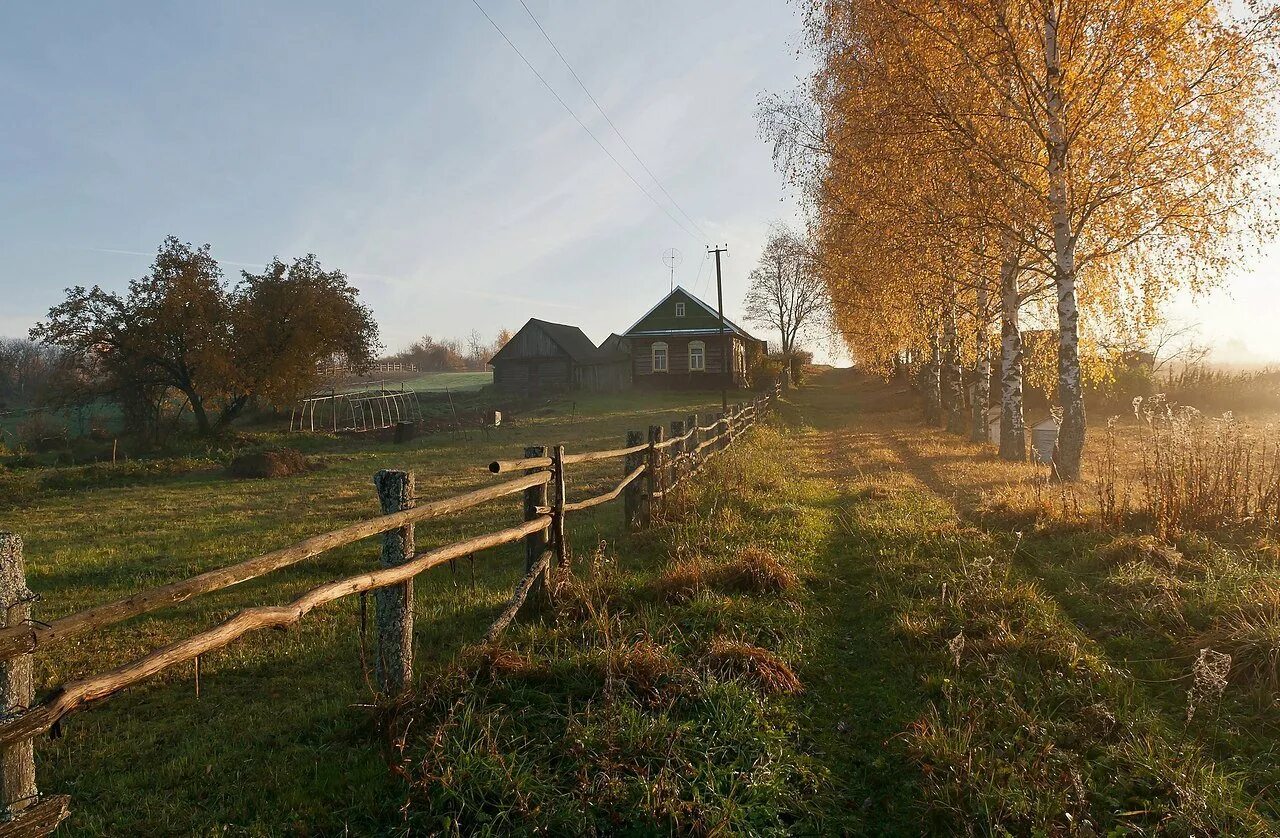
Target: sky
[{"x": 407, "y": 144}]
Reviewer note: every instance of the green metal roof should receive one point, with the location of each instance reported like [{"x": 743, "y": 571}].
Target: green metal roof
[{"x": 698, "y": 318}]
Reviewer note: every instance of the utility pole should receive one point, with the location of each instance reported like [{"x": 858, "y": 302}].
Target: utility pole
[{"x": 726, "y": 357}]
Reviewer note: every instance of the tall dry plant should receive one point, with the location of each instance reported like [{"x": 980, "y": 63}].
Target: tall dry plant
[{"x": 1203, "y": 472}]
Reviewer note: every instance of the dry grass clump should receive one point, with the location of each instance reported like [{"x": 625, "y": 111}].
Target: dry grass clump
[
  {"x": 757, "y": 570},
  {"x": 753, "y": 570},
  {"x": 683, "y": 579},
  {"x": 496, "y": 662},
  {"x": 1141, "y": 549},
  {"x": 1250, "y": 633},
  {"x": 762, "y": 668},
  {"x": 648, "y": 670}
]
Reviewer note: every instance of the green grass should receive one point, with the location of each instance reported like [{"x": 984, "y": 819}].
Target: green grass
[
  {"x": 434, "y": 382},
  {"x": 278, "y": 739},
  {"x": 968, "y": 663}
]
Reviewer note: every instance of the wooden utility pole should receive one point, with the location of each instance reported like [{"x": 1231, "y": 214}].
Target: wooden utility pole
[{"x": 726, "y": 359}]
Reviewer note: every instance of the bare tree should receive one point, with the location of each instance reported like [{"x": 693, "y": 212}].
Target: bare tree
[{"x": 786, "y": 293}]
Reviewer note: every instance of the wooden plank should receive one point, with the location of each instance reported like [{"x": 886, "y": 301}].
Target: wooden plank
[
  {"x": 523, "y": 588},
  {"x": 503, "y": 466},
  {"x": 579, "y": 505},
  {"x": 38, "y": 819},
  {"x": 19, "y": 639},
  {"x": 74, "y": 695}
]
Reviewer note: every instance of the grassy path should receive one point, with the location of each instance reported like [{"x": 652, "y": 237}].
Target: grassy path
[{"x": 975, "y": 674}]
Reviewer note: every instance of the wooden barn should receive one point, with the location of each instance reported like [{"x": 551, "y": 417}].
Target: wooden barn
[
  {"x": 678, "y": 345},
  {"x": 545, "y": 358}
]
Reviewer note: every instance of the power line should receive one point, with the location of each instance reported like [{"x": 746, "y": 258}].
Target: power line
[
  {"x": 701, "y": 265},
  {"x": 582, "y": 124},
  {"x": 578, "y": 79}
]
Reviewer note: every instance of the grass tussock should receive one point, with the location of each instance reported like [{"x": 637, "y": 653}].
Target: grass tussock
[
  {"x": 1141, "y": 549},
  {"x": 1250, "y": 633},
  {"x": 766, "y": 671},
  {"x": 752, "y": 569}
]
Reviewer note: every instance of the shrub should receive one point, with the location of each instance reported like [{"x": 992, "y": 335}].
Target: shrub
[
  {"x": 282, "y": 462},
  {"x": 40, "y": 432}
]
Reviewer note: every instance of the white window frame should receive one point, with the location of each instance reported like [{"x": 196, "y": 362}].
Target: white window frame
[
  {"x": 653, "y": 357},
  {"x": 679, "y": 309},
  {"x": 701, "y": 366}
]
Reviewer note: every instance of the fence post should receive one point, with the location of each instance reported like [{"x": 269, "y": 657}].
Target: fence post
[
  {"x": 653, "y": 474},
  {"x": 676, "y": 451},
  {"x": 722, "y": 427},
  {"x": 535, "y": 496},
  {"x": 17, "y": 762},
  {"x": 393, "y": 605},
  {"x": 691, "y": 445},
  {"x": 557, "y": 507},
  {"x": 632, "y": 495}
]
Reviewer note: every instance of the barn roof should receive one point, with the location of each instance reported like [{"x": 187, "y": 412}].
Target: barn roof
[{"x": 572, "y": 340}]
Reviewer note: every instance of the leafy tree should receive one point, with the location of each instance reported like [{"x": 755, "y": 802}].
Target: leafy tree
[
  {"x": 786, "y": 293},
  {"x": 1109, "y": 147},
  {"x": 181, "y": 328}
]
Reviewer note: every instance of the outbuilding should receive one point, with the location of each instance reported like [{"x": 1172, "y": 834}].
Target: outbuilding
[
  {"x": 1044, "y": 440},
  {"x": 544, "y": 358}
]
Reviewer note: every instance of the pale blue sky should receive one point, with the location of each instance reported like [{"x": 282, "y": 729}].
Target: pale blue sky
[{"x": 405, "y": 143}]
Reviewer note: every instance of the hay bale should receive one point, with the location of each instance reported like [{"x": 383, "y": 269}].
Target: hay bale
[{"x": 281, "y": 462}]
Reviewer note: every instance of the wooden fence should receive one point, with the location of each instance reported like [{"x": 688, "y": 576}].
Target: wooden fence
[{"x": 653, "y": 465}]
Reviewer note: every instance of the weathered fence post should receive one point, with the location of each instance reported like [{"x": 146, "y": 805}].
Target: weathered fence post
[
  {"x": 534, "y": 497},
  {"x": 676, "y": 451},
  {"x": 632, "y": 495},
  {"x": 691, "y": 444},
  {"x": 558, "y": 538},
  {"x": 393, "y": 605},
  {"x": 722, "y": 426},
  {"x": 653, "y": 474},
  {"x": 17, "y": 692}
]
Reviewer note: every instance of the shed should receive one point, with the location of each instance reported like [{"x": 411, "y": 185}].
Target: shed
[
  {"x": 1044, "y": 439},
  {"x": 545, "y": 357}
]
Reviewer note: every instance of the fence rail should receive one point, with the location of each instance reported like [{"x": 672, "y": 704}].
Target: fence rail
[{"x": 662, "y": 462}]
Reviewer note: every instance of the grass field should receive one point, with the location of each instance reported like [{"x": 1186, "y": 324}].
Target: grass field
[
  {"x": 854, "y": 625},
  {"x": 432, "y": 382}
]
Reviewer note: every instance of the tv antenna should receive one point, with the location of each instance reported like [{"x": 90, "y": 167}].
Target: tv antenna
[{"x": 672, "y": 259}]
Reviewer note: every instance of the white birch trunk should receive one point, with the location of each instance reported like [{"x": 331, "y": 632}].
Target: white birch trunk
[
  {"x": 953, "y": 380},
  {"x": 1070, "y": 450},
  {"x": 978, "y": 430},
  {"x": 933, "y": 380},
  {"x": 1013, "y": 429}
]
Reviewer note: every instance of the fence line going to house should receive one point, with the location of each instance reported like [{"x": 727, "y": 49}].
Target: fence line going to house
[{"x": 653, "y": 465}]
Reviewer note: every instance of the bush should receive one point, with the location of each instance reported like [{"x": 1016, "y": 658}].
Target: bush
[
  {"x": 42, "y": 433},
  {"x": 282, "y": 462}
]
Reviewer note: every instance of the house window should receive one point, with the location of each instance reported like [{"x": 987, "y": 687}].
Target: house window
[
  {"x": 697, "y": 356},
  {"x": 679, "y": 309},
  {"x": 659, "y": 357}
]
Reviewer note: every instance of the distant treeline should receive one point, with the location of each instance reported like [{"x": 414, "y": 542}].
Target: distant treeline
[{"x": 451, "y": 354}]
